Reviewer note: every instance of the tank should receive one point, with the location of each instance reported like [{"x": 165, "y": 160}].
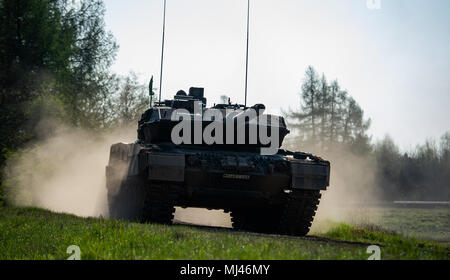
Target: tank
[{"x": 276, "y": 192}]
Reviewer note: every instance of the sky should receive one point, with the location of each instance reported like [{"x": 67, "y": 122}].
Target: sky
[{"x": 393, "y": 58}]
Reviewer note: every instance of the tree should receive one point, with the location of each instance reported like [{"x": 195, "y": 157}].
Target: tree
[
  {"x": 445, "y": 163},
  {"x": 329, "y": 117},
  {"x": 334, "y": 110},
  {"x": 305, "y": 121},
  {"x": 94, "y": 51},
  {"x": 388, "y": 157},
  {"x": 445, "y": 145},
  {"x": 131, "y": 101},
  {"x": 54, "y": 39},
  {"x": 51, "y": 50},
  {"x": 323, "y": 110}
]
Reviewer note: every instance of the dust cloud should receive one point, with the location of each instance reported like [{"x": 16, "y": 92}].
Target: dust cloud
[
  {"x": 64, "y": 170},
  {"x": 352, "y": 193}
]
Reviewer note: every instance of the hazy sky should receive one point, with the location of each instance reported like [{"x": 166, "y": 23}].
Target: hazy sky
[{"x": 395, "y": 61}]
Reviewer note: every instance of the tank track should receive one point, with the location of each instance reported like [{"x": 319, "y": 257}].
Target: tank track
[
  {"x": 299, "y": 212},
  {"x": 293, "y": 218},
  {"x": 159, "y": 204},
  {"x": 127, "y": 204}
]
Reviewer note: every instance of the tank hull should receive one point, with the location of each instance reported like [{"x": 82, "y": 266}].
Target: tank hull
[{"x": 243, "y": 183}]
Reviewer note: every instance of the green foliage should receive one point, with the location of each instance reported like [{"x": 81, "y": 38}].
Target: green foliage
[
  {"x": 2, "y": 196},
  {"x": 6, "y": 153},
  {"x": 430, "y": 224},
  {"x": 393, "y": 246},
  {"x": 54, "y": 63},
  {"x": 329, "y": 117},
  {"x": 330, "y": 120},
  {"x": 131, "y": 101},
  {"x": 423, "y": 174}
]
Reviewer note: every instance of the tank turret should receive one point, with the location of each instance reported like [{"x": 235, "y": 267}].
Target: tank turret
[{"x": 157, "y": 123}]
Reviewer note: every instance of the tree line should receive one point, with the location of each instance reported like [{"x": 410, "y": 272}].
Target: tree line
[
  {"x": 330, "y": 120},
  {"x": 55, "y": 58},
  {"x": 421, "y": 174},
  {"x": 329, "y": 116}
]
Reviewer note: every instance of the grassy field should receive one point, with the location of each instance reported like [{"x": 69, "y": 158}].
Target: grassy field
[
  {"x": 39, "y": 234},
  {"x": 428, "y": 224}
]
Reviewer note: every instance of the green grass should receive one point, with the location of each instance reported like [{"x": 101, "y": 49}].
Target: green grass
[
  {"x": 430, "y": 224},
  {"x": 39, "y": 234},
  {"x": 394, "y": 245}
]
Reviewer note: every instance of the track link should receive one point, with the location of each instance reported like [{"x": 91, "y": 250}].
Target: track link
[
  {"x": 127, "y": 203},
  {"x": 299, "y": 212},
  {"x": 159, "y": 204},
  {"x": 293, "y": 218}
]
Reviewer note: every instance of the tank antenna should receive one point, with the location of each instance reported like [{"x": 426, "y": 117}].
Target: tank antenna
[
  {"x": 246, "y": 57},
  {"x": 162, "y": 52}
]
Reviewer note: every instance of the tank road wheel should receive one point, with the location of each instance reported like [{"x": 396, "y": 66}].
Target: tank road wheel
[
  {"x": 299, "y": 212},
  {"x": 159, "y": 204},
  {"x": 128, "y": 201}
]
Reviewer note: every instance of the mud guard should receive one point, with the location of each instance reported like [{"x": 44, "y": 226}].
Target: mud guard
[
  {"x": 310, "y": 176},
  {"x": 127, "y": 154},
  {"x": 166, "y": 167}
]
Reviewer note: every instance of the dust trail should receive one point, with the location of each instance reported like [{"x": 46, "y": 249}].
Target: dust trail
[
  {"x": 64, "y": 171},
  {"x": 203, "y": 217},
  {"x": 353, "y": 190}
]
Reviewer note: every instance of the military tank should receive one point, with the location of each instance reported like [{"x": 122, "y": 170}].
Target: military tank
[{"x": 268, "y": 193}]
